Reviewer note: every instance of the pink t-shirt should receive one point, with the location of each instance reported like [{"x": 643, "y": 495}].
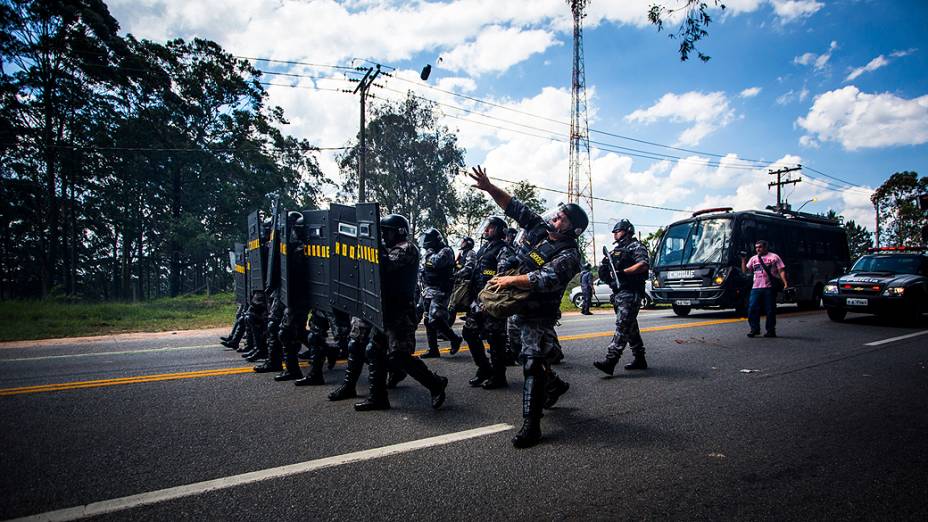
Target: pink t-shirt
[{"x": 774, "y": 265}]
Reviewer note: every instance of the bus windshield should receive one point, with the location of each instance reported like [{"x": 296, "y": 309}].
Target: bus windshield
[{"x": 696, "y": 242}]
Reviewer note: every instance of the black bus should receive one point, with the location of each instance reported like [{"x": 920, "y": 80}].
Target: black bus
[{"x": 698, "y": 260}]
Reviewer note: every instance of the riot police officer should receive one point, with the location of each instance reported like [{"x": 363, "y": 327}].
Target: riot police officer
[
  {"x": 547, "y": 262},
  {"x": 394, "y": 346},
  {"x": 461, "y": 274},
  {"x": 437, "y": 269},
  {"x": 626, "y": 271},
  {"x": 479, "y": 325}
]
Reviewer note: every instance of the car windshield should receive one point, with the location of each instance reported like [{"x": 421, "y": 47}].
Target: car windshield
[
  {"x": 696, "y": 242},
  {"x": 895, "y": 264}
]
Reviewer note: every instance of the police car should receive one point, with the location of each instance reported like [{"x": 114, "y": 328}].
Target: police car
[
  {"x": 602, "y": 294},
  {"x": 886, "y": 281}
]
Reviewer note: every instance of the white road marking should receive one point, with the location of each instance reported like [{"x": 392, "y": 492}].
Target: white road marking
[
  {"x": 893, "y": 339},
  {"x": 153, "y": 497},
  {"x": 99, "y": 354}
]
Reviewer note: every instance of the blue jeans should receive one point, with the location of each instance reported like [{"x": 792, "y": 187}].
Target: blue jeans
[{"x": 767, "y": 298}]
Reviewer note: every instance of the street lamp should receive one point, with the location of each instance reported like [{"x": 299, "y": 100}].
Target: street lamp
[{"x": 806, "y": 203}]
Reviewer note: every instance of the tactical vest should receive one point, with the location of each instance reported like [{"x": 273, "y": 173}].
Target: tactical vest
[
  {"x": 486, "y": 264},
  {"x": 531, "y": 258},
  {"x": 623, "y": 259},
  {"x": 438, "y": 277}
]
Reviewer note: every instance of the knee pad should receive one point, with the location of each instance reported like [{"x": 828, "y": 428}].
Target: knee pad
[{"x": 533, "y": 366}]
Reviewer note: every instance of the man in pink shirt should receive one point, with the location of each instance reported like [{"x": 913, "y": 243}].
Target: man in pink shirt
[{"x": 765, "y": 265}]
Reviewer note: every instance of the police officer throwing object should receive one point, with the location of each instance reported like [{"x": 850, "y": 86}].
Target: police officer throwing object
[
  {"x": 766, "y": 266},
  {"x": 547, "y": 263},
  {"x": 436, "y": 291},
  {"x": 626, "y": 271},
  {"x": 394, "y": 346}
]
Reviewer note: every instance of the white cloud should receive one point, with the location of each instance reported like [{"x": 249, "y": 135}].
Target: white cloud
[
  {"x": 496, "y": 49},
  {"x": 872, "y": 65},
  {"x": 750, "y": 92},
  {"x": 900, "y": 54},
  {"x": 790, "y": 10},
  {"x": 457, "y": 84},
  {"x": 707, "y": 113},
  {"x": 817, "y": 61},
  {"x": 856, "y": 206},
  {"x": 860, "y": 120},
  {"x": 808, "y": 142}
]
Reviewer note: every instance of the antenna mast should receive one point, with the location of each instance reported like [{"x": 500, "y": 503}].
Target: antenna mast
[{"x": 580, "y": 179}]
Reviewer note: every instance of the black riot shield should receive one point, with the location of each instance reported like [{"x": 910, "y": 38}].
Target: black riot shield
[
  {"x": 238, "y": 273},
  {"x": 292, "y": 263},
  {"x": 344, "y": 280},
  {"x": 257, "y": 254},
  {"x": 316, "y": 251},
  {"x": 371, "y": 305},
  {"x": 273, "y": 250}
]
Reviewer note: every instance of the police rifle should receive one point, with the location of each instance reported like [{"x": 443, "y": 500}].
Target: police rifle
[{"x": 615, "y": 273}]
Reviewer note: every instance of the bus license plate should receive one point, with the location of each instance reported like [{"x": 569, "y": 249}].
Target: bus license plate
[
  {"x": 687, "y": 302},
  {"x": 856, "y": 302},
  {"x": 681, "y": 274}
]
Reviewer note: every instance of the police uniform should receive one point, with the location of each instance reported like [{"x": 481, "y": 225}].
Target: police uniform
[
  {"x": 274, "y": 362},
  {"x": 393, "y": 347},
  {"x": 436, "y": 278},
  {"x": 550, "y": 265},
  {"x": 628, "y": 291},
  {"x": 320, "y": 323},
  {"x": 479, "y": 325}
]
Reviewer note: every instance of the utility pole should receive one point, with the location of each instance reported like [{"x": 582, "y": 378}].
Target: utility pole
[
  {"x": 363, "y": 86},
  {"x": 780, "y": 182}
]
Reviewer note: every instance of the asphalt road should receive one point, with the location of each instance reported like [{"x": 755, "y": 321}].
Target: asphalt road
[{"x": 825, "y": 425}]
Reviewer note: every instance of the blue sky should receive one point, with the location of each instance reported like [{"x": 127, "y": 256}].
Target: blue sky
[{"x": 838, "y": 86}]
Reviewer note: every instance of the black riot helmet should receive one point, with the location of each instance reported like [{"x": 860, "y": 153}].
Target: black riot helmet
[
  {"x": 625, "y": 225},
  {"x": 467, "y": 243},
  {"x": 394, "y": 228},
  {"x": 493, "y": 227},
  {"x": 432, "y": 239},
  {"x": 294, "y": 218},
  {"x": 575, "y": 214}
]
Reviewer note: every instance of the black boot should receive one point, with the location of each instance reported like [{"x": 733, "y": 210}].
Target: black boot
[
  {"x": 482, "y": 375},
  {"x": 556, "y": 388},
  {"x": 417, "y": 369},
  {"x": 431, "y": 337},
  {"x": 498, "y": 363},
  {"x": 639, "y": 363},
  {"x": 478, "y": 353},
  {"x": 269, "y": 366},
  {"x": 533, "y": 397},
  {"x": 292, "y": 371},
  {"x": 348, "y": 389},
  {"x": 607, "y": 365},
  {"x": 377, "y": 396}
]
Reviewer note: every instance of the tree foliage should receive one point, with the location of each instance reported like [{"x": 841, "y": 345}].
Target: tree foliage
[
  {"x": 859, "y": 239},
  {"x": 897, "y": 209},
  {"x": 125, "y": 165},
  {"x": 692, "y": 27},
  {"x": 473, "y": 207},
  {"x": 528, "y": 194}
]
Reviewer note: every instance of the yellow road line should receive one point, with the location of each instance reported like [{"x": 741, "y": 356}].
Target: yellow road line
[{"x": 6, "y": 392}]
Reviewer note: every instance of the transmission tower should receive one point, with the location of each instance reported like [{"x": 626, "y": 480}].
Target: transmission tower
[{"x": 580, "y": 179}]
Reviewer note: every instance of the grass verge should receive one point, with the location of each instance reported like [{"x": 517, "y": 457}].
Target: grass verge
[{"x": 26, "y": 320}]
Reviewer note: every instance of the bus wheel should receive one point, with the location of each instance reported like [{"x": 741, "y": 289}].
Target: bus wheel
[
  {"x": 837, "y": 314},
  {"x": 682, "y": 311}
]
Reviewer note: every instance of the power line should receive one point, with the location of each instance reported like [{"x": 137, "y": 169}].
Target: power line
[{"x": 607, "y": 200}]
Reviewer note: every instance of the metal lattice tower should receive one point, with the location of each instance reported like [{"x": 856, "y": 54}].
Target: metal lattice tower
[{"x": 580, "y": 179}]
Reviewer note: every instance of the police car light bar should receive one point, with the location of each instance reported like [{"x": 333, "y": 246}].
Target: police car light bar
[{"x": 897, "y": 249}]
